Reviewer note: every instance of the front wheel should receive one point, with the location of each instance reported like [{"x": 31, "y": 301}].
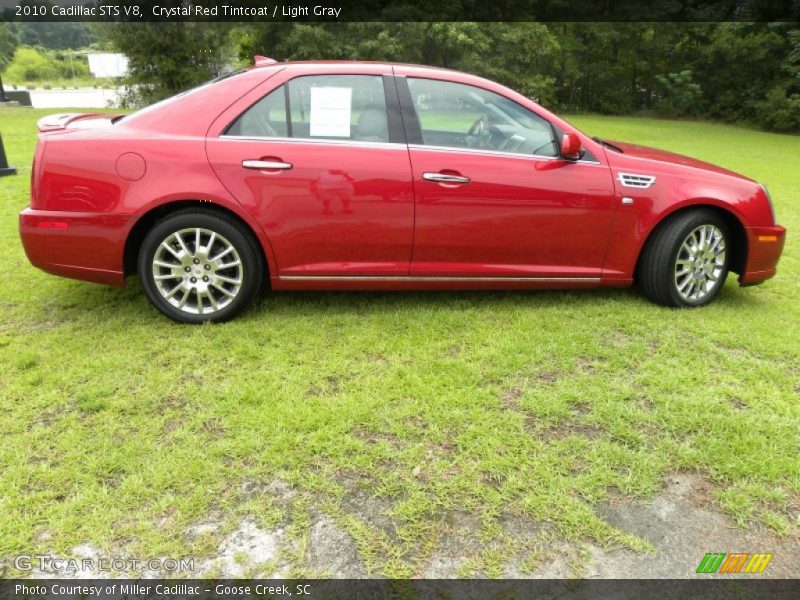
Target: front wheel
[
  {"x": 198, "y": 266},
  {"x": 685, "y": 262}
]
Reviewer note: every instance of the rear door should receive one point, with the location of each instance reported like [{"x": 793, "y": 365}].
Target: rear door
[{"x": 321, "y": 162}]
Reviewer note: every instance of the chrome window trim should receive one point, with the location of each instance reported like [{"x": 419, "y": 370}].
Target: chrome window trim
[
  {"x": 398, "y": 146},
  {"x": 332, "y": 142},
  {"x": 496, "y": 153},
  {"x": 421, "y": 278}
]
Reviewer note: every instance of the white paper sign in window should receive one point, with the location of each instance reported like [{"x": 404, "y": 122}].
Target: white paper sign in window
[{"x": 330, "y": 111}]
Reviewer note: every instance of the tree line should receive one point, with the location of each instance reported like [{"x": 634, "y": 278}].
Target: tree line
[{"x": 745, "y": 73}]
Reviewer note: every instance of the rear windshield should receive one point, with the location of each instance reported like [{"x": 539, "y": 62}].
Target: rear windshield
[{"x": 185, "y": 92}]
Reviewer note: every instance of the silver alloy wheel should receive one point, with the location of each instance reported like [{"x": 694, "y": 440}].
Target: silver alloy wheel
[
  {"x": 700, "y": 263},
  {"x": 197, "y": 271}
]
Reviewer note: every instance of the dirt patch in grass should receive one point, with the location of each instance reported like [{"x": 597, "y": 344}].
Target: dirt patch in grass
[
  {"x": 569, "y": 428},
  {"x": 680, "y": 525},
  {"x": 516, "y": 387},
  {"x": 168, "y": 402},
  {"x": 48, "y": 417},
  {"x": 378, "y": 437},
  {"x": 456, "y": 544},
  {"x": 376, "y": 358},
  {"x": 508, "y": 395},
  {"x": 617, "y": 339},
  {"x": 249, "y": 550},
  {"x": 575, "y": 424},
  {"x": 214, "y": 428},
  {"x": 171, "y": 425},
  {"x": 737, "y": 403},
  {"x": 328, "y": 386},
  {"x": 373, "y": 511},
  {"x": 588, "y": 365},
  {"x": 331, "y": 551},
  {"x": 645, "y": 403}
]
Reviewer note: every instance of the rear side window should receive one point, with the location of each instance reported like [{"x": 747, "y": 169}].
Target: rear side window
[
  {"x": 266, "y": 118},
  {"x": 345, "y": 107}
]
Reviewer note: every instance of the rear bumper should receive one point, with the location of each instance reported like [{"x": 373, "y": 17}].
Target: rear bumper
[
  {"x": 79, "y": 245},
  {"x": 765, "y": 245}
]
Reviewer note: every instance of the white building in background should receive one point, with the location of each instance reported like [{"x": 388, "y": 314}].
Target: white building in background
[
  {"x": 80, "y": 98},
  {"x": 107, "y": 64}
]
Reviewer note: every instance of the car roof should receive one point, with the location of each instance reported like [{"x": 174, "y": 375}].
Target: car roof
[
  {"x": 170, "y": 116},
  {"x": 371, "y": 63}
]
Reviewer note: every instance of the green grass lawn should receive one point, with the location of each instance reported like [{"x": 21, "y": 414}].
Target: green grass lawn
[{"x": 121, "y": 428}]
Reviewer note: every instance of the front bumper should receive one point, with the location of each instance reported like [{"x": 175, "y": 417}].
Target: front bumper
[
  {"x": 80, "y": 245},
  {"x": 764, "y": 248}
]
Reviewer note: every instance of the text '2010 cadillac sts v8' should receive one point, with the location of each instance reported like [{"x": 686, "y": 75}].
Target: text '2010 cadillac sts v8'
[{"x": 351, "y": 175}]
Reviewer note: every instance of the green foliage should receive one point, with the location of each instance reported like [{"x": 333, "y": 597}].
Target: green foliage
[
  {"x": 32, "y": 64},
  {"x": 56, "y": 36},
  {"x": 780, "y": 112},
  {"x": 737, "y": 65},
  {"x": 167, "y": 58},
  {"x": 525, "y": 57},
  {"x": 522, "y": 54},
  {"x": 29, "y": 64},
  {"x": 680, "y": 95},
  {"x": 8, "y": 43},
  {"x": 71, "y": 65},
  {"x": 725, "y": 71},
  {"x": 609, "y": 67}
]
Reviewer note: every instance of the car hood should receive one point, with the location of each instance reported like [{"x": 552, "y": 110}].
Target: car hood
[{"x": 664, "y": 156}]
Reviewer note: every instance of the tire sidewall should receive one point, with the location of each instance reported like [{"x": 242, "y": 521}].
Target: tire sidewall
[
  {"x": 684, "y": 229},
  {"x": 252, "y": 267}
]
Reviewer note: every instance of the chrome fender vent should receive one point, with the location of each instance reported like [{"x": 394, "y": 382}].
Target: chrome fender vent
[{"x": 636, "y": 181}]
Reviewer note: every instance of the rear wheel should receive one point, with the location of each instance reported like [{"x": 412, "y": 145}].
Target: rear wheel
[
  {"x": 198, "y": 266},
  {"x": 685, "y": 262}
]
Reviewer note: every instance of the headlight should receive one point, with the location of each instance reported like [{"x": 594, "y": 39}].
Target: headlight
[{"x": 771, "y": 205}]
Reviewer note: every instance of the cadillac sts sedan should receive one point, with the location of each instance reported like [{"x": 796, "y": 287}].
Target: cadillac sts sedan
[{"x": 374, "y": 176}]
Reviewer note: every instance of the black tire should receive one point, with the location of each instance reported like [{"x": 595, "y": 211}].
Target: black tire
[
  {"x": 656, "y": 272},
  {"x": 229, "y": 298}
]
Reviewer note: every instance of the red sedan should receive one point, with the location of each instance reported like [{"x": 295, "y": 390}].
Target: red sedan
[{"x": 352, "y": 175}]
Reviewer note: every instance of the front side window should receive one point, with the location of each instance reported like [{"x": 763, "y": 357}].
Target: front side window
[
  {"x": 463, "y": 116},
  {"x": 345, "y": 107}
]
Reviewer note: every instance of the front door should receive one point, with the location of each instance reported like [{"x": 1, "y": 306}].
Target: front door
[{"x": 493, "y": 199}]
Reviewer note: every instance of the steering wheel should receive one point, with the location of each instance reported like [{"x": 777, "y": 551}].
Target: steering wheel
[{"x": 478, "y": 134}]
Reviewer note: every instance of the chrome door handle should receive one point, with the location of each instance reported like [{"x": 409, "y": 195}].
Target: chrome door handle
[
  {"x": 266, "y": 165},
  {"x": 445, "y": 178}
]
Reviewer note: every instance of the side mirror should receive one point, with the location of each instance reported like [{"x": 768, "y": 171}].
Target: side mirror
[{"x": 571, "y": 146}]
